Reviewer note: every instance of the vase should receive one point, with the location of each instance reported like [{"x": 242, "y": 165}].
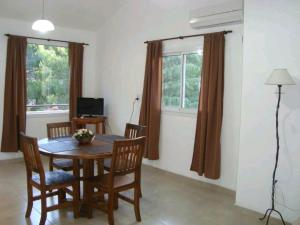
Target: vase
[{"x": 86, "y": 140}]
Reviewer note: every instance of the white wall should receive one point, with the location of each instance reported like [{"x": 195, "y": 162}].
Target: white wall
[
  {"x": 121, "y": 62},
  {"x": 271, "y": 40},
  {"x": 36, "y": 125}
]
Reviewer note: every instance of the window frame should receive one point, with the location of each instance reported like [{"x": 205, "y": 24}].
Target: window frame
[
  {"x": 42, "y": 113},
  {"x": 181, "y": 108}
]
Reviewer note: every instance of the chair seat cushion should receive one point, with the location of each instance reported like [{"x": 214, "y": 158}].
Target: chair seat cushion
[
  {"x": 119, "y": 181},
  {"x": 55, "y": 177},
  {"x": 63, "y": 164},
  {"x": 106, "y": 164}
]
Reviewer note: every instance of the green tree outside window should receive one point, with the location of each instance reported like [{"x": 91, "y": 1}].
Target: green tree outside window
[
  {"x": 47, "y": 77},
  {"x": 181, "y": 80}
]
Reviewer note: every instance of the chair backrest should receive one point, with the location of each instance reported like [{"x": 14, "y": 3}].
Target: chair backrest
[
  {"x": 32, "y": 157},
  {"x": 134, "y": 131},
  {"x": 127, "y": 156},
  {"x": 58, "y": 130}
]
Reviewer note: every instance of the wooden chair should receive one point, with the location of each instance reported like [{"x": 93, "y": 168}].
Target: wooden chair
[
  {"x": 131, "y": 131},
  {"x": 134, "y": 131},
  {"x": 60, "y": 130},
  {"x": 126, "y": 161},
  {"x": 46, "y": 182}
]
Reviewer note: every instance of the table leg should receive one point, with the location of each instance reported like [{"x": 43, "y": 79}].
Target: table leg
[
  {"x": 100, "y": 167},
  {"x": 76, "y": 172},
  {"x": 88, "y": 172},
  {"x": 100, "y": 172},
  {"x": 97, "y": 125},
  {"x": 103, "y": 127}
]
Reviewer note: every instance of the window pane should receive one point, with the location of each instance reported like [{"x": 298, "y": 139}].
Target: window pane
[
  {"x": 47, "y": 78},
  {"x": 171, "y": 80},
  {"x": 192, "y": 80}
]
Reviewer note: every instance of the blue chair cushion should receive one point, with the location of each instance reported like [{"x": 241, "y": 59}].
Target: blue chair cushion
[{"x": 55, "y": 177}]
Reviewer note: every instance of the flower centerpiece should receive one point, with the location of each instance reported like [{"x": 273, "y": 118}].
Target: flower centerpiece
[{"x": 84, "y": 136}]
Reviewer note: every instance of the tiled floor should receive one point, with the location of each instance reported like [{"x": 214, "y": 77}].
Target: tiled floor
[{"x": 167, "y": 200}]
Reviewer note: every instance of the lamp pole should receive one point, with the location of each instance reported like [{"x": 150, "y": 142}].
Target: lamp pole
[
  {"x": 278, "y": 77},
  {"x": 274, "y": 181}
]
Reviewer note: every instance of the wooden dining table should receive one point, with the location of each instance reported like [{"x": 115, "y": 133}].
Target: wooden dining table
[{"x": 69, "y": 148}]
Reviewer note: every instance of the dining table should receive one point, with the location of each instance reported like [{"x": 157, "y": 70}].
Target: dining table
[{"x": 69, "y": 148}]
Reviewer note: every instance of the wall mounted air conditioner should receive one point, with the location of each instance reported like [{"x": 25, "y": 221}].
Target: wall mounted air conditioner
[{"x": 226, "y": 13}]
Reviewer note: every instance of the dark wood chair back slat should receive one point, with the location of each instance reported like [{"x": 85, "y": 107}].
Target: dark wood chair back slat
[
  {"x": 32, "y": 157},
  {"x": 134, "y": 131},
  {"x": 127, "y": 156},
  {"x": 54, "y": 185},
  {"x": 59, "y": 130},
  {"x": 126, "y": 159}
]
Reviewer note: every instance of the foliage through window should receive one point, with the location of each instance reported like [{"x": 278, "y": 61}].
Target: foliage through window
[
  {"x": 181, "y": 80},
  {"x": 47, "y": 78}
]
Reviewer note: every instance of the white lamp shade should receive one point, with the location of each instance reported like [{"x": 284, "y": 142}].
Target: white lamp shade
[
  {"x": 280, "y": 77},
  {"x": 43, "y": 26}
]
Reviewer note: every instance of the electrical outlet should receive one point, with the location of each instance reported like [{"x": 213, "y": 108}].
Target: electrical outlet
[{"x": 137, "y": 98}]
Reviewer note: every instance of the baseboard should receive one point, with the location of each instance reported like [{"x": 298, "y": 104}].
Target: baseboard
[
  {"x": 10, "y": 155},
  {"x": 13, "y": 160},
  {"x": 186, "y": 179}
]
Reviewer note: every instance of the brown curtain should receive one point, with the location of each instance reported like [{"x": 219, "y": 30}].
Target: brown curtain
[
  {"x": 151, "y": 101},
  {"x": 14, "y": 113},
  {"x": 76, "y": 70},
  {"x": 207, "y": 147}
]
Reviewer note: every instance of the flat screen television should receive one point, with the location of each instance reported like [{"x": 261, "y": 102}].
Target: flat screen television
[{"x": 90, "y": 106}]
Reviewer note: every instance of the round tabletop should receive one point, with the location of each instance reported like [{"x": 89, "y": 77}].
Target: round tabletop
[{"x": 69, "y": 148}]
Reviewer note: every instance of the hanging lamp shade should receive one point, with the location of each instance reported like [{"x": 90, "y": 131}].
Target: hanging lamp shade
[{"x": 43, "y": 26}]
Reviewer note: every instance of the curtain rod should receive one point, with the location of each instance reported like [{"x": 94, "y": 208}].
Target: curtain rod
[
  {"x": 183, "y": 37},
  {"x": 45, "y": 39}
]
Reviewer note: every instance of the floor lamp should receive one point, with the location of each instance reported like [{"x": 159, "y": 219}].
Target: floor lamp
[{"x": 278, "y": 77}]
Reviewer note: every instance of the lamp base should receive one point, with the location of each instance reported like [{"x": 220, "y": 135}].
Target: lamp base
[{"x": 268, "y": 214}]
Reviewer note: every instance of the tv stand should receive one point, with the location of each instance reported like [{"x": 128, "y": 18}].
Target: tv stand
[
  {"x": 88, "y": 116},
  {"x": 98, "y": 121}
]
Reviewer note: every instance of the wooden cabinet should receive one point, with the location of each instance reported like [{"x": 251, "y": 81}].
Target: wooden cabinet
[{"x": 98, "y": 121}]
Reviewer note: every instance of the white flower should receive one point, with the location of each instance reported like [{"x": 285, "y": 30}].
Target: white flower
[{"x": 83, "y": 133}]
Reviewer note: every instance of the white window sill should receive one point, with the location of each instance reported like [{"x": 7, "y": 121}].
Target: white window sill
[
  {"x": 54, "y": 113},
  {"x": 177, "y": 112}
]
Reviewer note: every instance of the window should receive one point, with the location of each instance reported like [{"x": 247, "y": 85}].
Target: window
[
  {"x": 47, "y": 78},
  {"x": 181, "y": 80}
]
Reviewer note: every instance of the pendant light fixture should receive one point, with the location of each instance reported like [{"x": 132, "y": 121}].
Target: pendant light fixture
[{"x": 43, "y": 25}]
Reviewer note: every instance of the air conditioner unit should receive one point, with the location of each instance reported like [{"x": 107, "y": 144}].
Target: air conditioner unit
[{"x": 217, "y": 15}]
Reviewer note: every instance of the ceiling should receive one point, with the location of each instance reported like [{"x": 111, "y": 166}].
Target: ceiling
[
  {"x": 86, "y": 14},
  {"x": 81, "y": 14}
]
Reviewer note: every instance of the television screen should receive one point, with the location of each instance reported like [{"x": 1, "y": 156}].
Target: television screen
[{"x": 90, "y": 106}]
